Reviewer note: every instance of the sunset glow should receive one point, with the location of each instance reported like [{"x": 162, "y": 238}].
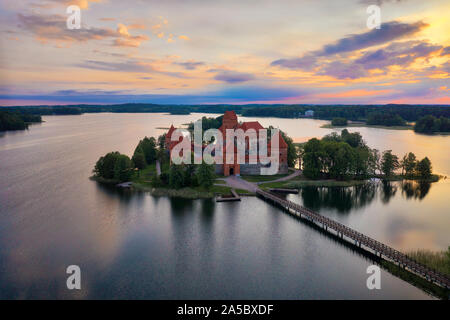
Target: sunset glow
[{"x": 195, "y": 52}]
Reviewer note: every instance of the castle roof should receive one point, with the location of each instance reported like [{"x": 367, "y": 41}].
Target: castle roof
[
  {"x": 171, "y": 130},
  {"x": 230, "y": 115},
  {"x": 251, "y": 125}
]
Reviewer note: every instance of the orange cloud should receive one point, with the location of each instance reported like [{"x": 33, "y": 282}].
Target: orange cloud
[
  {"x": 354, "y": 93},
  {"x": 126, "y": 39}
]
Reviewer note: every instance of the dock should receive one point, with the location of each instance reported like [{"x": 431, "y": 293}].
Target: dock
[
  {"x": 234, "y": 197},
  {"x": 280, "y": 190}
]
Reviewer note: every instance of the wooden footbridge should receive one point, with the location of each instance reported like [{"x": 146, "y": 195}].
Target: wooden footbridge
[{"x": 359, "y": 239}]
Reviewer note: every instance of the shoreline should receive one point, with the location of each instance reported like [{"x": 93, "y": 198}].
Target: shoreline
[
  {"x": 194, "y": 193},
  {"x": 356, "y": 125}
]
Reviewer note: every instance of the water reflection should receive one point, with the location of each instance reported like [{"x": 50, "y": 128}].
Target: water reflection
[
  {"x": 346, "y": 199},
  {"x": 415, "y": 189},
  {"x": 389, "y": 189}
]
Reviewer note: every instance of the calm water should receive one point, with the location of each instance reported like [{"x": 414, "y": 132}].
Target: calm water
[{"x": 138, "y": 246}]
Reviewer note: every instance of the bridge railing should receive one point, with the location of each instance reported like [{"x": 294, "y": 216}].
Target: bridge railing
[{"x": 373, "y": 244}]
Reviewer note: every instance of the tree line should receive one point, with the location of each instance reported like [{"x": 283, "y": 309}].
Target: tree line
[
  {"x": 431, "y": 124},
  {"x": 346, "y": 155},
  {"x": 327, "y": 112},
  {"x": 16, "y": 120},
  {"x": 116, "y": 167}
]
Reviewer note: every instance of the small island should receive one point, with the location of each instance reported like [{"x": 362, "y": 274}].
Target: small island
[{"x": 336, "y": 160}]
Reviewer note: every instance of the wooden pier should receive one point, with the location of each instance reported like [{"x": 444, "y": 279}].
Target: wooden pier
[
  {"x": 234, "y": 197},
  {"x": 359, "y": 239},
  {"x": 280, "y": 190}
]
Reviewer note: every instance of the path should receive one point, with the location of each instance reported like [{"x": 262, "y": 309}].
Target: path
[{"x": 237, "y": 182}]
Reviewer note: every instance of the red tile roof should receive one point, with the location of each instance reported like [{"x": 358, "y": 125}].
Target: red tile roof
[
  {"x": 169, "y": 133},
  {"x": 230, "y": 115},
  {"x": 251, "y": 125}
]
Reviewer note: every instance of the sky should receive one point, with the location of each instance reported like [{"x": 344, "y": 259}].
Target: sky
[{"x": 224, "y": 51}]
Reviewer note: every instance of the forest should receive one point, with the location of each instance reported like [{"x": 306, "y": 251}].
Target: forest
[
  {"x": 17, "y": 120},
  {"x": 327, "y": 112},
  {"x": 346, "y": 156}
]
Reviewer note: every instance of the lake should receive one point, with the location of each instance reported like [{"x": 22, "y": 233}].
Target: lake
[{"x": 133, "y": 245}]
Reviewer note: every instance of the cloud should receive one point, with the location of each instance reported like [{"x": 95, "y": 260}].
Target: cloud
[
  {"x": 233, "y": 76},
  {"x": 53, "y": 27},
  {"x": 126, "y": 39},
  {"x": 446, "y": 51},
  {"x": 238, "y": 94},
  {"x": 379, "y": 2},
  {"x": 190, "y": 65},
  {"x": 307, "y": 62},
  {"x": 389, "y": 31},
  {"x": 48, "y": 28},
  {"x": 397, "y": 53},
  {"x": 83, "y": 4},
  {"x": 183, "y": 37},
  {"x": 343, "y": 70},
  {"x": 400, "y": 54},
  {"x": 130, "y": 65}
]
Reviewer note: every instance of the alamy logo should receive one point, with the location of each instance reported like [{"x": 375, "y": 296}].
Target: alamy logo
[
  {"x": 74, "y": 280},
  {"x": 227, "y": 146},
  {"x": 374, "y": 280},
  {"x": 374, "y": 20},
  {"x": 74, "y": 19}
]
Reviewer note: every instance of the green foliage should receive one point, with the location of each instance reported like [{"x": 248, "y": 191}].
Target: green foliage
[
  {"x": 430, "y": 124},
  {"x": 339, "y": 156},
  {"x": 123, "y": 168},
  {"x": 389, "y": 163},
  {"x": 208, "y": 123},
  {"x": 16, "y": 121},
  {"x": 313, "y": 153},
  {"x": 385, "y": 119},
  {"x": 147, "y": 146},
  {"x": 292, "y": 153},
  {"x": 339, "y": 121},
  {"x": 176, "y": 176},
  {"x": 408, "y": 164},
  {"x": 423, "y": 168},
  {"x": 205, "y": 175},
  {"x": 114, "y": 166},
  {"x": 162, "y": 141},
  {"x": 139, "y": 158}
]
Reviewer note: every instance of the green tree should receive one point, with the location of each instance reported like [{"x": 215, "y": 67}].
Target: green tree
[
  {"x": 105, "y": 165},
  {"x": 148, "y": 146},
  {"x": 139, "y": 158},
  {"x": 353, "y": 139},
  {"x": 339, "y": 122},
  {"x": 292, "y": 153},
  {"x": 123, "y": 168},
  {"x": 389, "y": 163},
  {"x": 176, "y": 176},
  {"x": 312, "y": 159},
  {"x": 408, "y": 164},
  {"x": 424, "y": 168},
  {"x": 205, "y": 175},
  {"x": 162, "y": 142}
]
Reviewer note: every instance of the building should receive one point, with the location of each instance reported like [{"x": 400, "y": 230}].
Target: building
[
  {"x": 230, "y": 121},
  {"x": 309, "y": 113}
]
